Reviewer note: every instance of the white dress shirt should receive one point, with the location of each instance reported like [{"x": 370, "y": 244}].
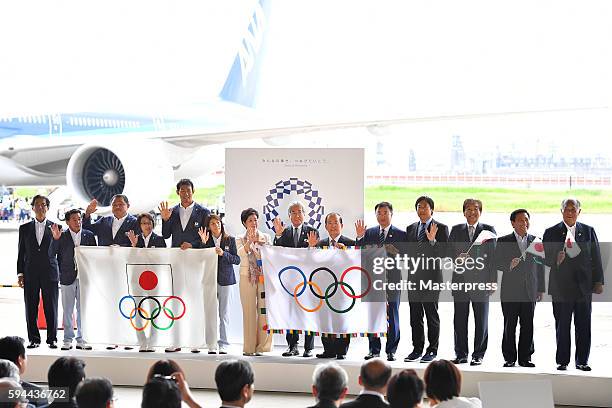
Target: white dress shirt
[
  {"x": 146, "y": 239},
  {"x": 40, "y": 230},
  {"x": 217, "y": 241},
  {"x": 522, "y": 241},
  {"x": 460, "y": 402},
  {"x": 76, "y": 237},
  {"x": 572, "y": 229},
  {"x": 185, "y": 214},
  {"x": 117, "y": 223}
]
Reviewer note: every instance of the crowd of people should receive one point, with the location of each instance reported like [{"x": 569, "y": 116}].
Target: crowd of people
[
  {"x": 166, "y": 386},
  {"x": 14, "y": 208},
  {"x": 46, "y": 257}
]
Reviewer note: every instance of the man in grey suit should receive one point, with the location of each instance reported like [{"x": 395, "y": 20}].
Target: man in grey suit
[
  {"x": 373, "y": 377},
  {"x": 572, "y": 252}
]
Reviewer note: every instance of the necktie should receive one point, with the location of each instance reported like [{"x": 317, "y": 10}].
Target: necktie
[
  {"x": 421, "y": 237},
  {"x": 332, "y": 243},
  {"x": 471, "y": 232},
  {"x": 295, "y": 237},
  {"x": 381, "y": 238}
]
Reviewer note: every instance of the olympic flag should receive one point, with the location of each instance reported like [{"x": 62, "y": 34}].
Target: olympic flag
[
  {"x": 320, "y": 291},
  {"x": 164, "y": 295}
]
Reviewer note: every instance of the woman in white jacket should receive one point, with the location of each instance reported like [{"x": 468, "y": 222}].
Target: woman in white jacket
[
  {"x": 443, "y": 386},
  {"x": 254, "y": 324}
]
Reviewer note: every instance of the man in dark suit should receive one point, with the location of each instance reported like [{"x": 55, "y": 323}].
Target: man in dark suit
[
  {"x": 12, "y": 349},
  {"x": 334, "y": 347},
  {"x": 234, "y": 380},
  {"x": 62, "y": 246},
  {"x": 296, "y": 236},
  {"x": 182, "y": 223},
  {"x": 112, "y": 229},
  {"x": 428, "y": 239},
  {"x": 481, "y": 272},
  {"x": 391, "y": 237},
  {"x": 521, "y": 287},
  {"x": 38, "y": 272},
  {"x": 572, "y": 252},
  {"x": 330, "y": 385},
  {"x": 373, "y": 377}
]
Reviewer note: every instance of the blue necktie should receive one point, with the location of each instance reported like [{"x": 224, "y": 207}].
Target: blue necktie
[
  {"x": 421, "y": 237},
  {"x": 296, "y": 237},
  {"x": 381, "y": 238}
]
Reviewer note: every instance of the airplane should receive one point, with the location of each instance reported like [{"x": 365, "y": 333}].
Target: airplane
[{"x": 98, "y": 155}]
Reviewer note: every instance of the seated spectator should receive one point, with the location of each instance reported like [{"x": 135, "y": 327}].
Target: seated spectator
[
  {"x": 443, "y": 386},
  {"x": 66, "y": 372},
  {"x": 234, "y": 379},
  {"x": 329, "y": 385},
  {"x": 13, "y": 349},
  {"x": 9, "y": 370},
  {"x": 170, "y": 370},
  {"x": 373, "y": 377},
  {"x": 95, "y": 393},
  {"x": 405, "y": 390},
  {"x": 6, "y": 385}
]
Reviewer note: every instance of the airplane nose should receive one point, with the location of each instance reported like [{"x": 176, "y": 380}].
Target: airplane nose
[{"x": 110, "y": 177}]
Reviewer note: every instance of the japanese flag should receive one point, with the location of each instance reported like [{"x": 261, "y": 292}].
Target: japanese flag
[
  {"x": 572, "y": 249},
  {"x": 535, "y": 248},
  {"x": 484, "y": 236}
]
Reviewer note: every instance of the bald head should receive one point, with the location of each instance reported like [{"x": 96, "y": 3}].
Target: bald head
[{"x": 374, "y": 375}]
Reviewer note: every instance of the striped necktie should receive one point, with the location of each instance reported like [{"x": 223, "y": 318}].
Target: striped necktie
[
  {"x": 381, "y": 238},
  {"x": 421, "y": 236}
]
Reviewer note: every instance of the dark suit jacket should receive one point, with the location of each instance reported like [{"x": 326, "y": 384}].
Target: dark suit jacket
[
  {"x": 459, "y": 241},
  {"x": 286, "y": 239},
  {"x": 341, "y": 239},
  {"x": 426, "y": 250},
  {"x": 63, "y": 248},
  {"x": 155, "y": 241},
  {"x": 173, "y": 227},
  {"x": 34, "y": 260},
  {"x": 324, "y": 404},
  {"x": 575, "y": 277},
  {"x": 365, "y": 401},
  {"x": 395, "y": 236},
  {"x": 522, "y": 283},
  {"x": 225, "y": 265},
  {"x": 103, "y": 229}
]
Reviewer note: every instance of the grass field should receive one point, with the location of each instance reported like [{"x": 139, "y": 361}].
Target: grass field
[{"x": 447, "y": 198}]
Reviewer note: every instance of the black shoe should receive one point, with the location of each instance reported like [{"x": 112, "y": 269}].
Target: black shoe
[
  {"x": 307, "y": 353},
  {"x": 290, "y": 352},
  {"x": 390, "y": 356},
  {"x": 583, "y": 367},
  {"x": 509, "y": 364},
  {"x": 33, "y": 345},
  {"x": 429, "y": 357},
  {"x": 528, "y": 364},
  {"x": 459, "y": 360},
  {"x": 476, "y": 361},
  {"x": 325, "y": 354},
  {"x": 414, "y": 356},
  {"x": 340, "y": 357},
  {"x": 112, "y": 347},
  {"x": 371, "y": 355},
  {"x": 128, "y": 348},
  {"x": 53, "y": 345},
  {"x": 562, "y": 367}
]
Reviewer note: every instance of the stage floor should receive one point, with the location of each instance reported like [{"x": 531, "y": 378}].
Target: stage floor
[{"x": 276, "y": 373}]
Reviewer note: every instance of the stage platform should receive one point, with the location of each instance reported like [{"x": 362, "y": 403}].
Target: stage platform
[{"x": 276, "y": 373}]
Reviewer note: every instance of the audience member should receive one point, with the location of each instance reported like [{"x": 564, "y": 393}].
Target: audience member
[
  {"x": 443, "y": 386},
  {"x": 13, "y": 348},
  {"x": 405, "y": 390},
  {"x": 329, "y": 385},
  {"x": 7, "y": 385},
  {"x": 373, "y": 378},
  {"x": 235, "y": 380},
  {"x": 66, "y": 372},
  {"x": 95, "y": 393}
]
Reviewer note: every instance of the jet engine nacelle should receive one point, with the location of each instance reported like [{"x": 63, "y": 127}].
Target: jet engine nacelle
[{"x": 140, "y": 171}]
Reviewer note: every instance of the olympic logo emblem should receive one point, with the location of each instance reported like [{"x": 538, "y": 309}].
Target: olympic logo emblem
[
  {"x": 330, "y": 291},
  {"x": 173, "y": 307},
  {"x": 314, "y": 209}
]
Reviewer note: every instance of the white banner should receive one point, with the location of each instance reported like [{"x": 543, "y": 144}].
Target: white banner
[
  {"x": 302, "y": 293},
  {"x": 323, "y": 180},
  {"x": 165, "y": 296}
]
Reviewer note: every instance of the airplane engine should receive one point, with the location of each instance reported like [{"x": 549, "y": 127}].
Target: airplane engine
[{"x": 141, "y": 171}]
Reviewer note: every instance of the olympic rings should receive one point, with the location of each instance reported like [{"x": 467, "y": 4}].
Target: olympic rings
[
  {"x": 153, "y": 315},
  {"x": 180, "y": 300},
  {"x": 121, "y": 310},
  {"x": 295, "y": 296},
  {"x": 172, "y": 319},
  {"x": 286, "y": 268},
  {"x": 335, "y": 287},
  {"x": 367, "y": 276},
  {"x": 132, "y": 319},
  {"x": 332, "y": 275}
]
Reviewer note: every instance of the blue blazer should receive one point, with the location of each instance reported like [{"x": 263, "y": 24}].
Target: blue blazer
[
  {"x": 395, "y": 236},
  {"x": 225, "y": 268},
  {"x": 63, "y": 248},
  {"x": 173, "y": 227},
  {"x": 154, "y": 242},
  {"x": 103, "y": 229},
  {"x": 33, "y": 260},
  {"x": 575, "y": 277}
]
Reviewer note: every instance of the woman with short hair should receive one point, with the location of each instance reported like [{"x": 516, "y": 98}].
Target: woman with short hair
[{"x": 443, "y": 386}]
